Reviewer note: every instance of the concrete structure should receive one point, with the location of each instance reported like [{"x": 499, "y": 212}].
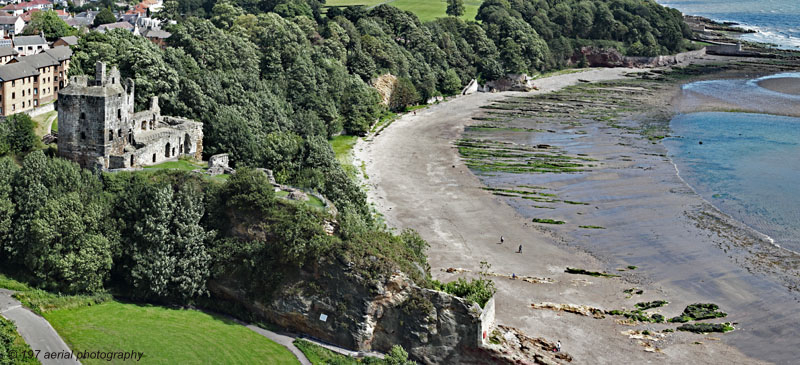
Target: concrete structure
[
  {"x": 98, "y": 128},
  {"x": 11, "y": 25},
  {"x": 29, "y": 44},
  {"x": 28, "y": 82}
]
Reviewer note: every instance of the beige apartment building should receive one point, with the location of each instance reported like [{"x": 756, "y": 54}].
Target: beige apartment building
[{"x": 30, "y": 81}]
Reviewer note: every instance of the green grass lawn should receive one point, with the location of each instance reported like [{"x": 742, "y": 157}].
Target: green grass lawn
[
  {"x": 166, "y": 336},
  {"x": 54, "y": 128},
  {"x": 426, "y": 10},
  {"x": 343, "y": 149},
  {"x": 181, "y": 164}
]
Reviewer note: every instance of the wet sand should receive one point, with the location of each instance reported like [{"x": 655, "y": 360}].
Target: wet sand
[
  {"x": 785, "y": 85},
  {"x": 418, "y": 180}
]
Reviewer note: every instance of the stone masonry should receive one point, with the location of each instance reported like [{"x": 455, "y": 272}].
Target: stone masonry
[{"x": 98, "y": 128}]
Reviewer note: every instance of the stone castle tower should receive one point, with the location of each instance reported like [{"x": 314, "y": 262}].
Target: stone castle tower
[{"x": 99, "y": 129}]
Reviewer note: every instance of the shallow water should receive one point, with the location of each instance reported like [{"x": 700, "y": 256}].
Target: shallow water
[
  {"x": 775, "y": 20},
  {"x": 748, "y": 166}
]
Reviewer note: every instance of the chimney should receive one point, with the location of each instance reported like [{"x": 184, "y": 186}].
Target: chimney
[
  {"x": 100, "y": 73},
  {"x": 154, "y": 105}
]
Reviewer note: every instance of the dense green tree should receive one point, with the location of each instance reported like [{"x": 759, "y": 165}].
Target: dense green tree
[
  {"x": 452, "y": 84},
  {"x": 404, "y": 94},
  {"x": 49, "y": 23},
  {"x": 455, "y": 8},
  {"x": 105, "y": 16}
]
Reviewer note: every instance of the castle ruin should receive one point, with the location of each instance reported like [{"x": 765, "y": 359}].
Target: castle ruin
[{"x": 98, "y": 128}]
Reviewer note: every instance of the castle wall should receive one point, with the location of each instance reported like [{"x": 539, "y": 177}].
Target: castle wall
[{"x": 98, "y": 128}]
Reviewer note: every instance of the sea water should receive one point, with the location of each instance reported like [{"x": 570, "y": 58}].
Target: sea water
[
  {"x": 777, "y": 21},
  {"x": 745, "y": 164}
]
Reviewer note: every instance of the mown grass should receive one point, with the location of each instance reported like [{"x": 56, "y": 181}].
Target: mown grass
[
  {"x": 181, "y": 164},
  {"x": 165, "y": 336},
  {"x": 343, "y": 149}
]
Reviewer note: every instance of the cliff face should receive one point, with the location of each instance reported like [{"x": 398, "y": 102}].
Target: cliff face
[
  {"x": 338, "y": 306},
  {"x": 385, "y": 85}
]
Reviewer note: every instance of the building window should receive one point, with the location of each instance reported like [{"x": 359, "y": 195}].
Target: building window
[
  {"x": 35, "y": 91},
  {"x": 12, "y": 83},
  {"x": 83, "y": 135},
  {"x": 23, "y": 93},
  {"x": 36, "y": 102},
  {"x": 110, "y": 135},
  {"x": 83, "y": 116},
  {"x": 13, "y": 107},
  {"x": 13, "y": 95},
  {"x": 154, "y": 158},
  {"x": 119, "y": 132},
  {"x": 119, "y": 114}
]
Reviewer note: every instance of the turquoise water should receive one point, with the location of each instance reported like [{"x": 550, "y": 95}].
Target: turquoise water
[
  {"x": 748, "y": 166},
  {"x": 777, "y": 21}
]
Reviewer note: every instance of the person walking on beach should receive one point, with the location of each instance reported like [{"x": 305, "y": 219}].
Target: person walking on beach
[
  {"x": 502, "y": 239},
  {"x": 520, "y": 249},
  {"x": 558, "y": 346}
]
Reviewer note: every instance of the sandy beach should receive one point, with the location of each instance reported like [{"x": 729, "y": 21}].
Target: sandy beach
[
  {"x": 418, "y": 180},
  {"x": 785, "y": 85}
]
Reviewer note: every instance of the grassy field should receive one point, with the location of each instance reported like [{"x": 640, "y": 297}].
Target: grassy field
[
  {"x": 181, "y": 164},
  {"x": 426, "y": 10},
  {"x": 343, "y": 149},
  {"x": 165, "y": 336}
]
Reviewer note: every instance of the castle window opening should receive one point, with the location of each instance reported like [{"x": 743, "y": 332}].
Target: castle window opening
[
  {"x": 131, "y": 161},
  {"x": 154, "y": 158},
  {"x": 83, "y": 135},
  {"x": 119, "y": 132},
  {"x": 119, "y": 113},
  {"x": 110, "y": 135},
  {"x": 144, "y": 126},
  {"x": 83, "y": 116},
  {"x": 166, "y": 150}
]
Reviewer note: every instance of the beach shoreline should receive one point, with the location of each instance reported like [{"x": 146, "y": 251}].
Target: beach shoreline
[{"x": 418, "y": 180}]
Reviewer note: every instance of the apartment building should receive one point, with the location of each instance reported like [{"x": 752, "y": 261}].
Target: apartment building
[{"x": 30, "y": 81}]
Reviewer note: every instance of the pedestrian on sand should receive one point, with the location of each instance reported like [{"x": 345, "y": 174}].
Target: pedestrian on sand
[
  {"x": 513, "y": 276},
  {"x": 520, "y": 249},
  {"x": 558, "y": 346},
  {"x": 502, "y": 239}
]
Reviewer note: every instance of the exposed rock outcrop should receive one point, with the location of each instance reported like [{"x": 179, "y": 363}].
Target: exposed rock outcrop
[
  {"x": 610, "y": 57},
  {"x": 511, "y": 82},
  {"x": 385, "y": 85}
]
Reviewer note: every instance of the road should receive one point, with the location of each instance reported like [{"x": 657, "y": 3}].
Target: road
[{"x": 35, "y": 330}]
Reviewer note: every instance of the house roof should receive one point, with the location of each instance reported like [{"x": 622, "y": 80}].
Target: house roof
[
  {"x": 78, "y": 22},
  {"x": 38, "y": 60},
  {"x": 7, "y": 51},
  {"x": 60, "y": 53},
  {"x": 70, "y": 40},
  {"x": 157, "y": 33},
  {"x": 13, "y": 7},
  {"x": 13, "y": 71},
  {"x": 29, "y": 40},
  {"x": 117, "y": 25},
  {"x": 8, "y": 19}
]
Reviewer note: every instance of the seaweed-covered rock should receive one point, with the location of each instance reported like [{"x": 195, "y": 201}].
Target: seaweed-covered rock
[
  {"x": 699, "y": 311},
  {"x": 653, "y": 304},
  {"x": 706, "y": 327}
]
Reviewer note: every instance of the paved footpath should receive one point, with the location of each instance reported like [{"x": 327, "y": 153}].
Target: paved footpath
[{"x": 35, "y": 330}]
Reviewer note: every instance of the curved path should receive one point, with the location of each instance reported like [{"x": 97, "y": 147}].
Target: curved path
[
  {"x": 35, "y": 330},
  {"x": 417, "y": 180}
]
